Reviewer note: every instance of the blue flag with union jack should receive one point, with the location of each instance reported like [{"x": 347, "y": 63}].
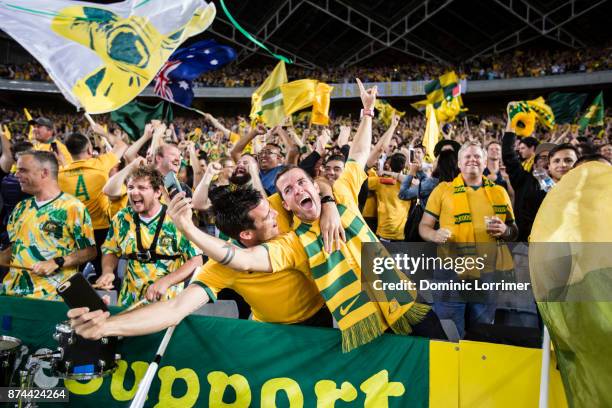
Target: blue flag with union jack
[{"x": 174, "y": 82}]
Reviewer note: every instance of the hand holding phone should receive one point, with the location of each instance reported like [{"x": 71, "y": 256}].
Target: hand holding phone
[
  {"x": 78, "y": 292},
  {"x": 173, "y": 186}
]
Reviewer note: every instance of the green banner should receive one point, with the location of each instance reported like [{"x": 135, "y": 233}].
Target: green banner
[
  {"x": 134, "y": 116},
  {"x": 217, "y": 362}
]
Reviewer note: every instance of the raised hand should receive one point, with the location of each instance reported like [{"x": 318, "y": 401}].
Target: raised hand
[{"x": 368, "y": 97}]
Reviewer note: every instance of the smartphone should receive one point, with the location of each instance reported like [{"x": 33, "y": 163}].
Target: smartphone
[
  {"x": 172, "y": 184},
  {"x": 411, "y": 154},
  {"x": 78, "y": 292}
]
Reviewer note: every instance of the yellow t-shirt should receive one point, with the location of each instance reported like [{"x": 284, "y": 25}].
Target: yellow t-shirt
[
  {"x": 288, "y": 252},
  {"x": 289, "y": 296},
  {"x": 46, "y": 147},
  {"x": 286, "y": 297},
  {"x": 440, "y": 205},
  {"x": 56, "y": 228},
  {"x": 234, "y": 137},
  {"x": 85, "y": 180},
  {"x": 284, "y": 217},
  {"x": 392, "y": 211},
  {"x": 370, "y": 208}
]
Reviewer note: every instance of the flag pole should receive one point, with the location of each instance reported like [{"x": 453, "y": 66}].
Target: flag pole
[
  {"x": 147, "y": 380},
  {"x": 545, "y": 371}
]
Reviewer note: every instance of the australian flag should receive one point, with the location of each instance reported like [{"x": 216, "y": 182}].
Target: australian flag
[{"x": 174, "y": 81}]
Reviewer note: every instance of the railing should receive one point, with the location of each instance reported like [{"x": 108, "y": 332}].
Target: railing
[{"x": 385, "y": 89}]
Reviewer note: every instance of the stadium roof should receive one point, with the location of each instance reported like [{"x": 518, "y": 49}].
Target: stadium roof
[
  {"x": 327, "y": 33},
  {"x": 332, "y": 33}
]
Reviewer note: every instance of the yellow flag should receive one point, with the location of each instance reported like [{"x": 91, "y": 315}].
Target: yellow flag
[
  {"x": 320, "y": 106},
  {"x": 385, "y": 111},
  {"x": 30, "y": 127},
  {"x": 6, "y": 131},
  {"x": 298, "y": 95},
  {"x": 267, "y": 100},
  {"x": 432, "y": 132}
]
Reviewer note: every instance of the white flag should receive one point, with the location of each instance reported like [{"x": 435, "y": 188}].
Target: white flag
[{"x": 101, "y": 56}]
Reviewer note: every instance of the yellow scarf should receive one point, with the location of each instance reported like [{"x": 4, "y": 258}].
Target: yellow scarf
[
  {"x": 464, "y": 228},
  {"x": 362, "y": 314},
  {"x": 528, "y": 164}
]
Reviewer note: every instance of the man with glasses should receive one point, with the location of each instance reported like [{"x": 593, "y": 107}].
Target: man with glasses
[{"x": 271, "y": 158}]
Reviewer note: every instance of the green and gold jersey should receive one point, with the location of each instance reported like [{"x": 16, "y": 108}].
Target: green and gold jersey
[
  {"x": 121, "y": 241},
  {"x": 40, "y": 233}
]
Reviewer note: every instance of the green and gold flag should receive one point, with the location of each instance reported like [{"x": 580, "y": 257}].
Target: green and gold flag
[
  {"x": 571, "y": 270},
  {"x": 101, "y": 56},
  {"x": 267, "y": 100},
  {"x": 594, "y": 116},
  {"x": 385, "y": 111},
  {"x": 444, "y": 93}
]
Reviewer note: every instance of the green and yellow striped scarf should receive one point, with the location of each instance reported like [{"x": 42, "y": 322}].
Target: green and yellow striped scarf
[
  {"x": 464, "y": 228},
  {"x": 361, "y": 314}
]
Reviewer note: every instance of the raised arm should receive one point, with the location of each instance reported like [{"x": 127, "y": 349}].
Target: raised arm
[
  {"x": 148, "y": 319},
  {"x": 362, "y": 144},
  {"x": 253, "y": 169},
  {"x": 291, "y": 148},
  {"x": 114, "y": 186},
  {"x": 236, "y": 151},
  {"x": 119, "y": 147},
  {"x": 198, "y": 172},
  {"x": 217, "y": 125},
  {"x": 250, "y": 259},
  {"x": 383, "y": 142},
  {"x": 200, "y": 195},
  {"x": 131, "y": 153}
]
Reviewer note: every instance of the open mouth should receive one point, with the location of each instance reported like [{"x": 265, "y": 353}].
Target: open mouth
[
  {"x": 137, "y": 201},
  {"x": 306, "y": 203}
]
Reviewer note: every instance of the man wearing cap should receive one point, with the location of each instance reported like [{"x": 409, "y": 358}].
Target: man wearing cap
[{"x": 46, "y": 140}]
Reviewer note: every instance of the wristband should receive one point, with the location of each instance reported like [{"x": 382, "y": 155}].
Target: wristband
[
  {"x": 366, "y": 112},
  {"x": 327, "y": 199}
]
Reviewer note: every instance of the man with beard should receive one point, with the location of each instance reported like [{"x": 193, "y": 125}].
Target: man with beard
[
  {"x": 159, "y": 257},
  {"x": 271, "y": 159},
  {"x": 50, "y": 233}
]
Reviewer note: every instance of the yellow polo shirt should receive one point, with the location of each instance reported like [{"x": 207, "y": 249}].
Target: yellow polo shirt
[
  {"x": 46, "y": 147},
  {"x": 85, "y": 180},
  {"x": 392, "y": 211},
  {"x": 440, "y": 205}
]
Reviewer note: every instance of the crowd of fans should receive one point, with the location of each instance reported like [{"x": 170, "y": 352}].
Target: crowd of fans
[
  {"x": 515, "y": 64},
  {"x": 76, "y": 191}
]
